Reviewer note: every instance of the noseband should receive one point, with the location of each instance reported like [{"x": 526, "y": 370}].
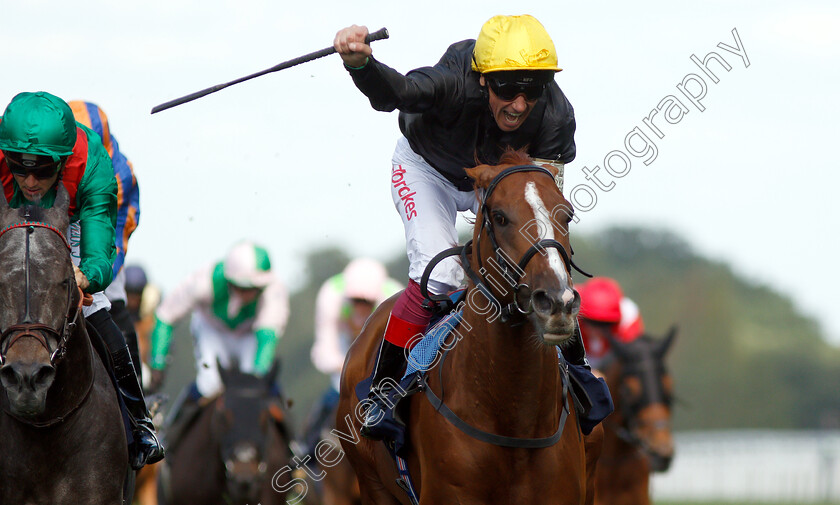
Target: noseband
[
  {"x": 510, "y": 270},
  {"x": 29, "y": 328}
]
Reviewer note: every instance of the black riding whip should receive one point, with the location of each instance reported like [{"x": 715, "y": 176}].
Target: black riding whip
[{"x": 377, "y": 35}]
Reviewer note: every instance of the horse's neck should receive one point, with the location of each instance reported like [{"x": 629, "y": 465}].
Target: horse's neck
[
  {"x": 505, "y": 368},
  {"x": 77, "y": 365},
  {"x": 614, "y": 444},
  {"x": 74, "y": 378},
  {"x": 623, "y": 470}
]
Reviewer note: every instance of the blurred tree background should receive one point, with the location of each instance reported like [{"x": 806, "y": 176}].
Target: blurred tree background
[{"x": 744, "y": 356}]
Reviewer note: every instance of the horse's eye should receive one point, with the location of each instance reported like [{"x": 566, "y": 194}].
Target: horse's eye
[{"x": 499, "y": 219}]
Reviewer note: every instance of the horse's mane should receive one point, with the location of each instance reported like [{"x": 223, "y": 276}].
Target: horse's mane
[
  {"x": 483, "y": 174},
  {"x": 31, "y": 212},
  {"x": 513, "y": 156}
]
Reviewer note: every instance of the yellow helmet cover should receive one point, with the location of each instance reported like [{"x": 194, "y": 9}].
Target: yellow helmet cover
[{"x": 514, "y": 43}]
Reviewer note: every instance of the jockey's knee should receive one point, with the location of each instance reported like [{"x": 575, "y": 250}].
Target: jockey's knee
[{"x": 107, "y": 329}]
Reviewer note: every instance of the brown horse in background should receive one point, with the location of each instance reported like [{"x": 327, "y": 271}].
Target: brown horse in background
[
  {"x": 502, "y": 377},
  {"x": 62, "y": 437},
  {"x": 637, "y": 436},
  {"x": 146, "y": 484}
]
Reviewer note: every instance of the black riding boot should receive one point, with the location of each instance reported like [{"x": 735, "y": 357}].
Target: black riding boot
[
  {"x": 147, "y": 448},
  {"x": 575, "y": 352},
  {"x": 389, "y": 365}
]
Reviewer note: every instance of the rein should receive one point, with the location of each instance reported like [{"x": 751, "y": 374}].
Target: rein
[
  {"x": 36, "y": 330},
  {"x": 492, "y": 438}
]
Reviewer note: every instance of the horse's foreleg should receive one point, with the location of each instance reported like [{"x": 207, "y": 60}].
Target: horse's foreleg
[{"x": 592, "y": 445}]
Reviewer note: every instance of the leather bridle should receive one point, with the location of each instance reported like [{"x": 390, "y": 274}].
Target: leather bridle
[{"x": 511, "y": 270}]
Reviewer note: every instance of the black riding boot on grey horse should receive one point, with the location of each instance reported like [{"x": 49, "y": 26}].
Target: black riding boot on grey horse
[{"x": 146, "y": 448}]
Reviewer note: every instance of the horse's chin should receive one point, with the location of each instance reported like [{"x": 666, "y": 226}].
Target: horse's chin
[
  {"x": 28, "y": 407},
  {"x": 555, "y": 338},
  {"x": 557, "y": 330}
]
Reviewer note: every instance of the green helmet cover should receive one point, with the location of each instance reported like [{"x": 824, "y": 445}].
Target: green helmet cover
[{"x": 40, "y": 124}]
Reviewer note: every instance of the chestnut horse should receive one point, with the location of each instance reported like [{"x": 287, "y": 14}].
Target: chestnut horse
[
  {"x": 62, "y": 437},
  {"x": 234, "y": 450},
  {"x": 637, "y": 436},
  {"x": 502, "y": 378}
]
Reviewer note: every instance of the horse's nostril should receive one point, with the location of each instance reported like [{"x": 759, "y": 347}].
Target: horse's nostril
[
  {"x": 43, "y": 376},
  {"x": 543, "y": 303},
  {"x": 9, "y": 376},
  {"x": 575, "y": 303},
  {"x": 659, "y": 463}
]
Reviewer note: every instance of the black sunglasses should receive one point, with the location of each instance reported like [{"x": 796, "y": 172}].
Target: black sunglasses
[
  {"x": 508, "y": 91},
  {"x": 44, "y": 171}
]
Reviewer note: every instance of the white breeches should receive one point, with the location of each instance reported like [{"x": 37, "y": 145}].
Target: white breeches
[{"x": 428, "y": 205}]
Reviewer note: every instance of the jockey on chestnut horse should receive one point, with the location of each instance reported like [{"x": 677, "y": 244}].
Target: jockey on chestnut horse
[{"x": 483, "y": 97}]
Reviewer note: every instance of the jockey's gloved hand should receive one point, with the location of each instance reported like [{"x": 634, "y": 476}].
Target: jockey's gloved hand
[{"x": 81, "y": 280}]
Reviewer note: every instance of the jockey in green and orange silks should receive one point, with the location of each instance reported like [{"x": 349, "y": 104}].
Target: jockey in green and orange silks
[
  {"x": 83, "y": 166},
  {"x": 41, "y": 145}
]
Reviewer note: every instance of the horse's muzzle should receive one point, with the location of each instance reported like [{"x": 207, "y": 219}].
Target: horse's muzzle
[
  {"x": 556, "y": 313},
  {"x": 548, "y": 304},
  {"x": 659, "y": 462},
  {"x": 26, "y": 386}
]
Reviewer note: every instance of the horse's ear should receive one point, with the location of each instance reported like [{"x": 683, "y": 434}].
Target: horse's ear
[
  {"x": 475, "y": 172},
  {"x": 666, "y": 342},
  {"x": 5, "y": 210},
  {"x": 617, "y": 346},
  {"x": 483, "y": 175},
  {"x": 58, "y": 215},
  {"x": 551, "y": 168}
]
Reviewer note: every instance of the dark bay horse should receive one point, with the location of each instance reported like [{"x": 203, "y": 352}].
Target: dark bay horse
[
  {"x": 62, "y": 438},
  {"x": 234, "y": 450},
  {"x": 502, "y": 377},
  {"x": 637, "y": 436}
]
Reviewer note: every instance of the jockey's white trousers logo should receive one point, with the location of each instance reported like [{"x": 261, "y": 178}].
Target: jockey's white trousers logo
[{"x": 406, "y": 195}]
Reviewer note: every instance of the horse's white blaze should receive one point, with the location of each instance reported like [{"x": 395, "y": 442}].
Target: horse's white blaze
[{"x": 546, "y": 231}]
